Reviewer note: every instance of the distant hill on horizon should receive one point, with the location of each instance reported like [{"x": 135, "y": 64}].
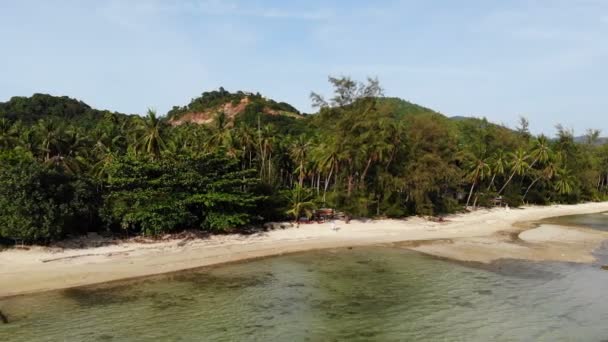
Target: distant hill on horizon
[
  {"x": 238, "y": 107},
  {"x": 38, "y": 106}
]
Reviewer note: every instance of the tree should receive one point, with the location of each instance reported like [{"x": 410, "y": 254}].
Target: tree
[
  {"x": 150, "y": 131},
  {"x": 592, "y": 136},
  {"x": 519, "y": 165},
  {"x": 565, "y": 182},
  {"x": 498, "y": 164},
  {"x": 547, "y": 173},
  {"x": 540, "y": 151},
  {"x": 479, "y": 170},
  {"x": 157, "y": 196},
  {"x": 42, "y": 203},
  {"x": 299, "y": 151},
  {"x": 300, "y": 204}
]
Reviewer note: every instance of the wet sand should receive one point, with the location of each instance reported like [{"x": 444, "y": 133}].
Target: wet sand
[{"x": 482, "y": 236}]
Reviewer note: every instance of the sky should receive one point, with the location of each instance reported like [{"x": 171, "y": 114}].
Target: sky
[{"x": 545, "y": 60}]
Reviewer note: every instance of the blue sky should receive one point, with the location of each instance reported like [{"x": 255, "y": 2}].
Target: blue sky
[{"x": 543, "y": 59}]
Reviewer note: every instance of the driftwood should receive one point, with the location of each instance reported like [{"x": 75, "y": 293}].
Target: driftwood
[
  {"x": 3, "y": 318},
  {"x": 87, "y": 255}
]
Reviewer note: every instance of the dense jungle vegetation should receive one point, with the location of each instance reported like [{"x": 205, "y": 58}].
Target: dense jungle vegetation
[{"x": 68, "y": 169}]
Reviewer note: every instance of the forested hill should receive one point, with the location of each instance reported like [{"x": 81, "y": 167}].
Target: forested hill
[
  {"x": 403, "y": 108},
  {"x": 229, "y": 160},
  {"x": 238, "y": 106},
  {"x": 43, "y": 106}
]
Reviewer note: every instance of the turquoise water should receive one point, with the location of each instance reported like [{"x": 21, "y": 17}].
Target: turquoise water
[{"x": 359, "y": 294}]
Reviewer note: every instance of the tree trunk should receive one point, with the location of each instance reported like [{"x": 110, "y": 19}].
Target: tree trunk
[
  {"x": 318, "y": 183},
  {"x": 331, "y": 170},
  {"x": 491, "y": 182},
  {"x": 364, "y": 174},
  {"x": 301, "y": 180},
  {"x": 507, "y": 183},
  {"x": 269, "y": 165},
  {"x": 529, "y": 187},
  {"x": 470, "y": 193}
]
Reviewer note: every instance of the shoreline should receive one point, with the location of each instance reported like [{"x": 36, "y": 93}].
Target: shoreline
[{"x": 483, "y": 236}]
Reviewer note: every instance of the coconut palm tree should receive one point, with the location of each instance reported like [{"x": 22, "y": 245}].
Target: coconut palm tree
[
  {"x": 479, "y": 170},
  {"x": 519, "y": 165},
  {"x": 50, "y": 134},
  {"x": 541, "y": 150},
  {"x": 266, "y": 141},
  {"x": 327, "y": 155},
  {"x": 300, "y": 204},
  {"x": 564, "y": 184},
  {"x": 299, "y": 150},
  {"x": 221, "y": 135},
  {"x": 498, "y": 164},
  {"x": 151, "y": 135},
  {"x": 547, "y": 173},
  {"x": 246, "y": 140}
]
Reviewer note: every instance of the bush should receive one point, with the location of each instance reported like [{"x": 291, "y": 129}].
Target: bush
[{"x": 42, "y": 203}]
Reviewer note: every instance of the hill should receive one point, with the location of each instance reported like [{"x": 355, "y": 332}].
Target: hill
[
  {"x": 403, "y": 108},
  {"x": 585, "y": 139},
  {"x": 205, "y": 109},
  {"x": 39, "y": 106}
]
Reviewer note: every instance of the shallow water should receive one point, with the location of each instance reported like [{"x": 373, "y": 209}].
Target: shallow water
[
  {"x": 597, "y": 221},
  {"x": 371, "y": 293}
]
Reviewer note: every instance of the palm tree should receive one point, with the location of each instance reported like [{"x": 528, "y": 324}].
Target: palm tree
[
  {"x": 246, "y": 139},
  {"x": 480, "y": 169},
  {"x": 51, "y": 135},
  {"x": 266, "y": 142},
  {"x": 519, "y": 165},
  {"x": 221, "y": 135},
  {"x": 299, "y": 150},
  {"x": 300, "y": 204},
  {"x": 565, "y": 182},
  {"x": 328, "y": 157},
  {"x": 75, "y": 154},
  {"x": 547, "y": 173},
  {"x": 541, "y": 150},
  {"x": 151, "y": 140},
  {"x": 498, "y": 164},
  {"x": 100, "y": 169}
]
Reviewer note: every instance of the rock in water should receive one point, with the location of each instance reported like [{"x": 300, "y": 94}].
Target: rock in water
[
  {"x": 3, "y": 318},
  {"x": 605, "y": 267}
]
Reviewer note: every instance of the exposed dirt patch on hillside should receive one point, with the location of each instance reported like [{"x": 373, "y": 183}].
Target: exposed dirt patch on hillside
[{"x": 229, "y": 109}]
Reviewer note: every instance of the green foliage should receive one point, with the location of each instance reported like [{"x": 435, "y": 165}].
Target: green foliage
[
  {"x": 44, "y": 106},
  {"x": 67, "y": 168},
  {"x": 300, "y": 203},
  {"x": 41, "y": 203},
  {"x": 156, "y": 196}
]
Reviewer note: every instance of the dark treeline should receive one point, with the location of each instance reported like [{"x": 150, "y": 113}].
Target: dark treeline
[{"x": 68, "y": 169}]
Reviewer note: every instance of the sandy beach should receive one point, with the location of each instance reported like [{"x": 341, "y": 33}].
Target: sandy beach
[{"x": 482, "y": 236}]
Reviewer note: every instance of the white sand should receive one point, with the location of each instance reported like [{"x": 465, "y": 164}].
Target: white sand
[{"x": 479, "y": 236}]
